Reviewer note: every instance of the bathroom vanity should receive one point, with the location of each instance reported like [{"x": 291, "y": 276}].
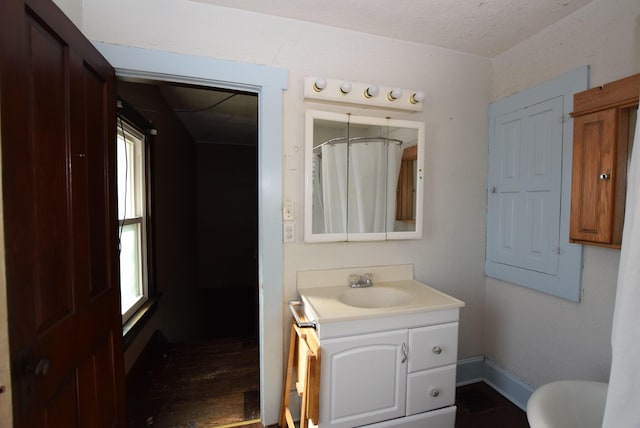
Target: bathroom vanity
[{"x": 389, "y": 351}]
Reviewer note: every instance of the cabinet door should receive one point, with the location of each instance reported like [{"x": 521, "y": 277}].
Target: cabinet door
[
  {"x": 593, "y": 178},
  {"x": 363, "y": 379},
  {"x": 433, "y": 346}
]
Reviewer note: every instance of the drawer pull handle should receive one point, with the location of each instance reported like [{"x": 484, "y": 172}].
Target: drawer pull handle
[
  {"x": 404, "y": 352},
  {"x": 435, "y": 392},
  {"x": 437, "y": 350}
]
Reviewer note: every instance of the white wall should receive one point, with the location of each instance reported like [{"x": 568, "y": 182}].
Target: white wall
[
  {"x": 450, "y": 256},
  {"x": 539, "y": 337}
]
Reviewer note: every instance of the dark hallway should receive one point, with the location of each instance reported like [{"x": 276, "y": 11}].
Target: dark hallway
[{"x": 189, "y": 364}]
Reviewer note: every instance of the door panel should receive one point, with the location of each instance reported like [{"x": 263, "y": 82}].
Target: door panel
[
  {"x": 58, "y": 152},
  {"x": 523, "y": 205},
  {"x": 50, "y": 218},
  {"x": 62, "y": 407}
]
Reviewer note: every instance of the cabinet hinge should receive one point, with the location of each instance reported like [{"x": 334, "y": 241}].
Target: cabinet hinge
[{"x": 558, "y": 251}]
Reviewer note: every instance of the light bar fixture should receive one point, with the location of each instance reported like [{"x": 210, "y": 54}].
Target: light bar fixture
[{"x": 320, "y": 88}]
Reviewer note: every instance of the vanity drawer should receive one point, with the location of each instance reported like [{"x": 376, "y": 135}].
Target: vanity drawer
[
  {"x": 431, "y": 389},
  {"x": 433, "y": 346}
]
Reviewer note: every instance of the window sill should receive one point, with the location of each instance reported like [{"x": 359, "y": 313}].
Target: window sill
[{"x": 134, "y": 325}]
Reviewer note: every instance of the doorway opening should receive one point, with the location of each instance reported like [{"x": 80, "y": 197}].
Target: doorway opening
[
  {"x": 200, "y": 366},
  {"x": 269, "y": 83}
]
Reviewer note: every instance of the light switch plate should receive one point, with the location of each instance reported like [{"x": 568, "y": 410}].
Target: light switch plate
[{"x": 287, "y": 211}]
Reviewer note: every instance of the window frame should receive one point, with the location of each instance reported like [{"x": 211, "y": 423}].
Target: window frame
[{"x": 129, "y": 120}]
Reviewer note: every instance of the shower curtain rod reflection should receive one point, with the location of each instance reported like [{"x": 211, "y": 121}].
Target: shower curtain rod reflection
[{"x": 340, "y": 140}]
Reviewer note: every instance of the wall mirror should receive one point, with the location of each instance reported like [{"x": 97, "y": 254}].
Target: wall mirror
[{"x": 363, "y": 178}]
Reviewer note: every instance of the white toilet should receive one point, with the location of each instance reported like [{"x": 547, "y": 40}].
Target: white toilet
[{"x": 568, "y": 404}]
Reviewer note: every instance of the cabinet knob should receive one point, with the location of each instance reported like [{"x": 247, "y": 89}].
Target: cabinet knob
[
  {"x": 435, "y": 392},
  {"x": 437, "y": 350},
  {"x": 603, "y": 176}
]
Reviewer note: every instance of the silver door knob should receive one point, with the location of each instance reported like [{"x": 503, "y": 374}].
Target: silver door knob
[
  {"x": 437, "y": 350},
  {"x": 43, "y": 366},
  {"x": 603, "y": 176}
]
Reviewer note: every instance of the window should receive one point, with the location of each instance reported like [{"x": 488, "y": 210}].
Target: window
[{"x": 132, "y": 217}]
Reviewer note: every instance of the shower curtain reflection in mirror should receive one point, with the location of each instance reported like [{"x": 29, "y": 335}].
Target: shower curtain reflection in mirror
[{"x": 351, "y": 182}]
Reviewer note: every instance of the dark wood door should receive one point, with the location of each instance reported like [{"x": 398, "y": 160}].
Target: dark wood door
[{"x": 60, "y": 225}]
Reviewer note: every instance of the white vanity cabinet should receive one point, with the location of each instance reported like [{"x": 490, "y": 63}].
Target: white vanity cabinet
[
  {"x": 400, "y": 378},
  {"x": 388, "y": 351}
]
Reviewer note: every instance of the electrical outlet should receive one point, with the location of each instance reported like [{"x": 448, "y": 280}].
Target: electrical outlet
[
  {"x": 288, "y": 232},
  {"x": 287, "y": 211}
]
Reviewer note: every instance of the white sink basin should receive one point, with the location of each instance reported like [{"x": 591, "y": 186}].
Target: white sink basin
[
  {"x": 341, "y": 303},
  {"x": 395, "y": 301},
  {"x": 374, "y": 297}
]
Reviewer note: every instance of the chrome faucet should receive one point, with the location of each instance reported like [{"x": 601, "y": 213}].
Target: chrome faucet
[{"x": 359, "y": 281}]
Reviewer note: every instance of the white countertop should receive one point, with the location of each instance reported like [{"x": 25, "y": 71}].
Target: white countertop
[{"x": 323, "y": 304}]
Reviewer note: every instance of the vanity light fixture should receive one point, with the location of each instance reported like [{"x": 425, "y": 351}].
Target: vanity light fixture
[
  {"x": 344, "y": 91},
  {"x": 394, "y": 94},
  {"x": 319, "y": 84},
  {"x": 416, "y": 98},
  {"x": 345, "y": 87},
  {"x": 371, "y": 91}
]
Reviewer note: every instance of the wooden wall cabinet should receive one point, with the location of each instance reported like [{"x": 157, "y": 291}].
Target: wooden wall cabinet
[{"x": 601, "y": 138}]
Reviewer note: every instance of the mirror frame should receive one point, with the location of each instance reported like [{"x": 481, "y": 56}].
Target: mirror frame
[{"x": 309, "y": 236}]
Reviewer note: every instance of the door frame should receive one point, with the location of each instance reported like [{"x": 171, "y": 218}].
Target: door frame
[{"x": 268, "y": 83}]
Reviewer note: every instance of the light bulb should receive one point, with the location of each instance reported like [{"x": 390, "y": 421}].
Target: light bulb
[
  {"x": 345, "y": 87},
  {"x": 371, "y": 91},
  {"x": 319, "y": 84},
  {"x": 416, "y": 98},
  {"x": 394, "y": 94}
]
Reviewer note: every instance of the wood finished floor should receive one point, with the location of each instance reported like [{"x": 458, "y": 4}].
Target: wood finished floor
[
  {"x": 216, "y": 384},
  {"x": 197, "y": 385},
  {"x": 480, "y": 406}
]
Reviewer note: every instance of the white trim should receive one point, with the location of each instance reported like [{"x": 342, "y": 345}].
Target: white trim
[
  {"x": 268, "y": 83},
  {"x": 469, "y": 370},
  {"x": 508, "y": 384}
]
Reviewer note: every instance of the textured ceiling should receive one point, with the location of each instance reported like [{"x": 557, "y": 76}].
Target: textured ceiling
[{"x": 481, "y": 27}]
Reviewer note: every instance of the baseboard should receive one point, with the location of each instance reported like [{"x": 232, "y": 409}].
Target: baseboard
[
  {"x": 510, "y": 385},
  {"x": 470, "y": 370}
]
